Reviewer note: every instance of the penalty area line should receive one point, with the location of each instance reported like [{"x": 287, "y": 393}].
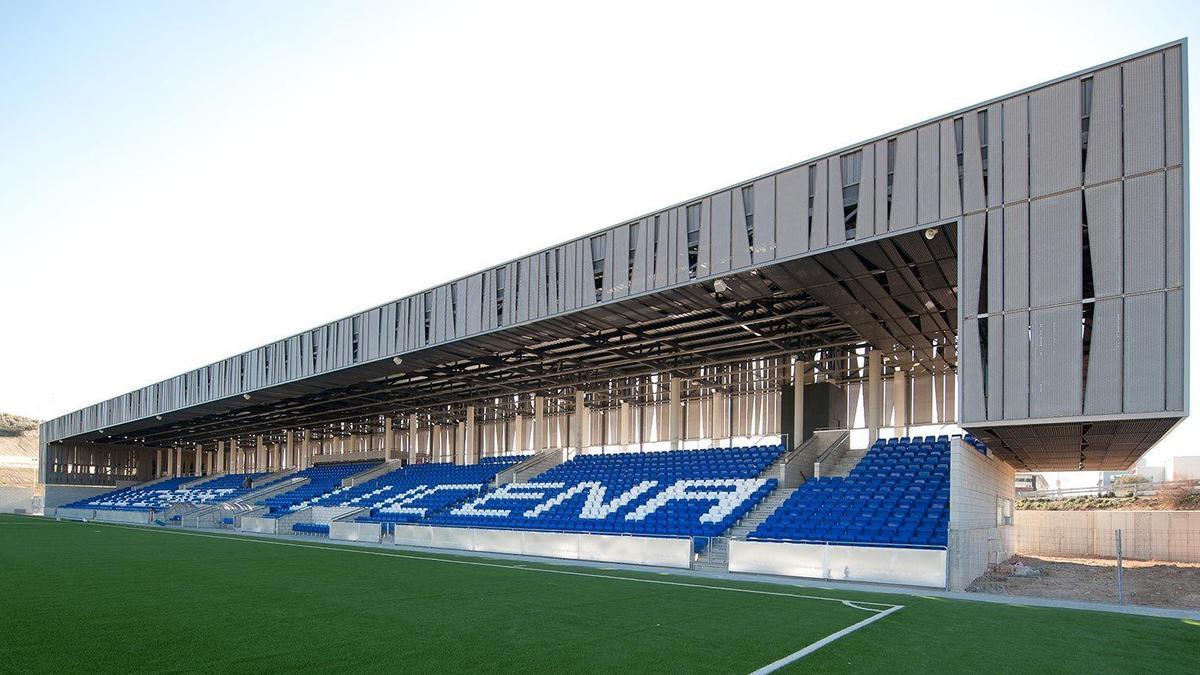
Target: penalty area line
[
  {"x": 854, "y": 604},
  {"x": 797, "y": 655}
]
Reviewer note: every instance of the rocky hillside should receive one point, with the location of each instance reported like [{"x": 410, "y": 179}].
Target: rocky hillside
[{"x": 18, "y": 450}]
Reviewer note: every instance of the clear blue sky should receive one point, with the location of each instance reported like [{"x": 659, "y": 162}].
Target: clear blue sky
[{"x": 183, "y": 181}]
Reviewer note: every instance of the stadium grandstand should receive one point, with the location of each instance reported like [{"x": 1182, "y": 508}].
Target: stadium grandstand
[{"x": 833, "y": 370}]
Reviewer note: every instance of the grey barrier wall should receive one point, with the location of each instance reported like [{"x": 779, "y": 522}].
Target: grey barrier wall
[
  {"x": 982, "y": 498},
  {"x": 1169, "y": 536},
  {"x": 657, "y": 551},
  {"x": 72, "y": 514},
  {"x": 135, "y": 517},
  {"x": 258, "y": 524},
  {"x": 835, "y": 562},
  {"x": 13, "y": 499},
  {"x": 351, "y": 531}
]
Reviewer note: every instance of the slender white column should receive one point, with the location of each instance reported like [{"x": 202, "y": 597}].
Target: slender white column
[
  {"x": 519, "y": 434},
  {"x": 874, "y": 394},
  {"x": 412, "y": 438},
  {"x": 470, "y": 439},
  {"x": 900, "y": 399},
  {"x": 798, "y": 375},
  {"x": 158, "y": 465},
  {"x": 539, "y": 423},
  {"x": 675, "y": 412},
  {"x": 260, "y": 454},
  {"x": 580, "y": 424},
  {"x": 389, "y": 439}
]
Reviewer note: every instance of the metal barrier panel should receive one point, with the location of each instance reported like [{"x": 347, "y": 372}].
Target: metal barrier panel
[
  {"x": 137, "y": 517},
  {"x": 75, "y": 514},
  {"x": 256, "y": 524},
  {"x": 371, "y": 532},
  {"x": 907, "y": 566},
  {"x": 660, "y": 551},
  {"x": 497, "y": 541}
]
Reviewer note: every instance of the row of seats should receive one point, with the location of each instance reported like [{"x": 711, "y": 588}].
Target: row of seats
[
  {"x": 408, "y": 494},
  {"x": 311, "y": 528},
  {"x": 696, "y": 493},
  {"x": 897, "y": 495},
  {"x": 322, "y": 479},
  {"x": 165, "y": 493}
]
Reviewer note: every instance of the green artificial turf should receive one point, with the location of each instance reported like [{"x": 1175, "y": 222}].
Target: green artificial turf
[{"x": 89, "y": 597}]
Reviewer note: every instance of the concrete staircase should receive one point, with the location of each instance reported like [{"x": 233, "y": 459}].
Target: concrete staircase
[
  {"x": 844, "y": 464},
  {"x": 715, "y": 556}
]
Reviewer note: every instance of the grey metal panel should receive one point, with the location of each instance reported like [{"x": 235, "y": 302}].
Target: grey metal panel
[
  {"x": 835, "y": 213},
  {"x": 679, "y": 224},
  {"x": 922, "y": 400},
  {"x": 1056, "y": 362},
  {"x": 641, "y": 251},
  {"x": 791, "y": 232},
  {"x": 904, "y": 182},
  {"x": 866, "y": 194},
  {"x": 1016, "y": 365},
  {"x": 739, "y": 239},
  {"x": 819, "y": 234},
  {"x": 541, "y": 285},
  {"x": 570, "y": 276},
  {"x": 1016, "y": 256},
  {"x": 1105, "y": 237},
  {"x": 764, "y": 221},
  {"x": 1173, "y": 102},
  {"x": 662, "y": 259},
  {"x": 1103, "y": 395},
  {"x": 1174, "y": 225},
  {"x": 440, "y": 302},
  {"x": 950, "y": 194},
  {"x": 1145, "y": 233},
  {"x": 973, "y": 235},
  {"x": 460, "y": 319},
  {"x": 995, "y": 368},
  {"x": 1054, "y": 138},
  {"x": 610, "y": 264},
  {"x": 928, "y": 209},
  {"x": 488, "y": 308},
  {"x": 1144, "y": 122},
  {"x": 971, "y": 372},
  {"x": 995, "y": 257},
  {"x": 1145, "y": 353},
  {"x": 973, "y": 197},
  {"x": 620, "y": 262},
  {"x": 881, "y": 197},
  {"x": 1175, "y": 352},
  {"x": 1016, "y": 149},
  {"x": 1104, "y": 127},
  {"x": 1055, "y": 250},
  {"x": 995, "y": 160},
  {"x": 704, "y": 264}
]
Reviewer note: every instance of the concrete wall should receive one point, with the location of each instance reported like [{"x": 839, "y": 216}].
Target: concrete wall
[
  {"x": 14, "y": 499},
  {"x": 907, "y": 566},
  {"x": 1172, "y": 536},
  {"x": 57, "y": 495},
  {"x": 975, "y": 539}
]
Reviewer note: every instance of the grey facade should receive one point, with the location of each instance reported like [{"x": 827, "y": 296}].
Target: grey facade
[{"x": 1067, "y": 204}]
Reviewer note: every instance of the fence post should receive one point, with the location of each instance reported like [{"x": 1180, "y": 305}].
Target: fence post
[{"x": 1120, "y": 572}]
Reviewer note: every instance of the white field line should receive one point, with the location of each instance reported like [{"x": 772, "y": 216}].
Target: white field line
[
  {"x": 797, "y": 655},
  {"x": 884, "y": 607}
]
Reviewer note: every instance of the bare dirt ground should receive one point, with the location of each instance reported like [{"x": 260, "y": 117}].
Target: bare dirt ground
[{"x": 1155, "y": 584}]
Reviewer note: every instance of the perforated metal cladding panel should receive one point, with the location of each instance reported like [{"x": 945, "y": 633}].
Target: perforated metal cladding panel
[
  {"x": 1016, "y": 256},
  {"x": 764, "y": 221},
  {"x": 1105, "y": 237},
  {"x": 995, "y": 258},
  {"x": 1143, "y": 99},
  {"x": 971, "y": 372},
  {"x": 739, "y": 237},
  {"x": 704, "y": 264},
  {"x": 819, "y": 233},
  {"x": 1175, "y": 350},
  {"x": 1145, "y": 233},
  {"x": 1056, "y": 362},
  {"x": 951, "y": 197},
  {"x": 973, "y": 236},
  {"x": 1104, "y": 374},
  {"x": 995, "y": 365},
  {"x": 1104, "y": 135},
  {"x": 904, "y": 182},
  {"x": 836, "y": 214},
  {"x": 928, "y": 140},
  {"x": 719, "y": 241},
  {"x": 973, "y": 198},
  {"x": 866, "y": 194},
  {"x": 1016, "y": 149},
  {"x": 642, "y": 253},
  {"x": 1055, "y": 249},
  {"x": 995, "y": 160},
  {"x": 1054, "y": 138},
  {"x": 1016, "y": 365},
  {"x": 792, "y": 212},
  {"x": 1174, "y": 228},
  {"x": 1173, "y": 102},
  {"x": 1145, "y": 353},
  {"x": 880, "y": 189},
  {"x": 663, "y": 259}
]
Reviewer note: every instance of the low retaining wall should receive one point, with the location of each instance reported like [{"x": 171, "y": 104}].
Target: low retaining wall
[
  {"x": 1169, "y": 536},
  {"x": 136, "y": 517},
  {"x": 907, "y": 566},
  {"x": 351, "y": 531},
  {"x": 257, "y": 524},
  {"x": 73, "y": 514},
  {"x": 658, "y": 551}
]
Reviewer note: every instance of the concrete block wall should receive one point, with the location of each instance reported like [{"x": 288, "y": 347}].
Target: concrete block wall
[
  {"x": 975, "y": 539},
  {"x": 1169, "y": 536}
]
